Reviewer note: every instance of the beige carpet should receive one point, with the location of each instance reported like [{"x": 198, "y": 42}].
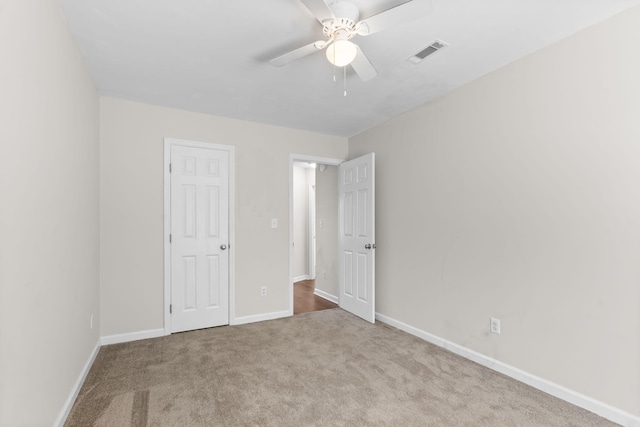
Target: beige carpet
[{"x": 326, "y": 368}]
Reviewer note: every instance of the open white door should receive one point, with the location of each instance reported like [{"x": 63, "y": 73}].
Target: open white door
[{"x": 357, "y": 236}]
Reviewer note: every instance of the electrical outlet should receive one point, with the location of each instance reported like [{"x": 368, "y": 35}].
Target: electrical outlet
[
  {"x": 274, "y": 222},
  {"x": 495, "y": 325},
  {"x": 263, "y": 291}
]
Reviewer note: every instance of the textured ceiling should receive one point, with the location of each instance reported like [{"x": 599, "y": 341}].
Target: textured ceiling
[{"x": 213, "y": 56}]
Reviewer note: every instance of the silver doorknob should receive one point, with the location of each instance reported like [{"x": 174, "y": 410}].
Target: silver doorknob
[
  {"x": 223, "y": 247},
  {"x": 367, "y": 246}
]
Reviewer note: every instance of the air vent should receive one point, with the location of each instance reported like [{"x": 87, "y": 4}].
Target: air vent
[{"x": 428, "y": 51}]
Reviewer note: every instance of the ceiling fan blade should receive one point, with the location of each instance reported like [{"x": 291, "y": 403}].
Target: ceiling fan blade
[
  {"x": 298, "y": 53},
  {"x": 403, "y": 13},
  {"x": 319, "y": 9},
  {"x": 363, "y": 67}
]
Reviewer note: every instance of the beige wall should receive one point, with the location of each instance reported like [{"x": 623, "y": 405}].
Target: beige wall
[
  {"x": 327, "y": 234},
  {"x": 48, "y": 213},
  {"x": 131, "y": 207},
  {"x": 518, "y": 197}
]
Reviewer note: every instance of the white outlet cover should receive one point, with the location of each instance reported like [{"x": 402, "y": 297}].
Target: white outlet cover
[
  {"x": 274, "y": 222},
  {"x": 495, "y": 325}
]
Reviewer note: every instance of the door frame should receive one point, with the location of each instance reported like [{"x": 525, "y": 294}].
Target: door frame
[
  {"x": 168, "y": 143},
  {"x": 301, "y": 158},
  {"x": 311, "y": 217}
]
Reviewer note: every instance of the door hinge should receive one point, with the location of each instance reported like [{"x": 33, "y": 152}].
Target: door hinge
[
  {"x": 169, "y": 167},
  {"x": 170, "y": 308},
  {"x": 169, "y": 238}
]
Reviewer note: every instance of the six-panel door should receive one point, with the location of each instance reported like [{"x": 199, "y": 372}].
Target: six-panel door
[
  {"x": 357, "y": 236},
  {"x": 199, "y": 238}
]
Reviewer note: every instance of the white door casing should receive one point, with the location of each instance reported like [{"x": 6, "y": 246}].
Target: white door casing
[
  {"x": 200, "y": 243},
  {"x": 357, "y": 236}
]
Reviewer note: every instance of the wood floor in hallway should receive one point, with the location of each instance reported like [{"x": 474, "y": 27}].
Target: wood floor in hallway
[{"x": 304, "y": 300}]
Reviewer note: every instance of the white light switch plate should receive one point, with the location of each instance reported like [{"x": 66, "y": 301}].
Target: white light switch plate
[{"x": 274, "y": 222}]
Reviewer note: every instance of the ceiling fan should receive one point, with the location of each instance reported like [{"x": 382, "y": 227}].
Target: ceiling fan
[{"x": 340, "y": 23}]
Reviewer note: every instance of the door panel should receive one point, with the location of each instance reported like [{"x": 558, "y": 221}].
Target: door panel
[
  {"x": 199, "y": 229},
  {"x": 357, "y": 236}
]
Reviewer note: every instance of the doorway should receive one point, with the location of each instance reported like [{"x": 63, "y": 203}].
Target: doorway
[
  {"x": 304, "y": 201},
  {"x": 313, "y": 233},
  {"x": 315, "y": 242}
]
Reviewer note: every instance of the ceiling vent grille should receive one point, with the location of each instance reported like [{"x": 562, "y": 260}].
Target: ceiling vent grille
[{"x": 428, "y": 51}]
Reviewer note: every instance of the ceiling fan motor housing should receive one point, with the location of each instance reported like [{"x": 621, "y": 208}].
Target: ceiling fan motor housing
[
  {"x": 345, "y": 9},
  {"x": 343, "y": 27},
  {"x": 339, "y": 28}
]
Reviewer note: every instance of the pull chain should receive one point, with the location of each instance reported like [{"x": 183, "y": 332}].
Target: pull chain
[{"x": 345, "y": 80}]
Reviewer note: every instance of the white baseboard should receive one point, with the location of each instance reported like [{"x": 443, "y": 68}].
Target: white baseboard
[
  {"x": 327, "y": 296},
  {"x": 301, "y": 278},
  {"x": 68, "y": 404},
  {"x": 600, "y": 408},
  {"x": 132, "y": 336},
  {"x": 261, "y": 317}
]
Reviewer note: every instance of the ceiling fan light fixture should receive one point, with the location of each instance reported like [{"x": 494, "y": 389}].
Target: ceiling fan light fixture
[{"x": 342, "y": 53}]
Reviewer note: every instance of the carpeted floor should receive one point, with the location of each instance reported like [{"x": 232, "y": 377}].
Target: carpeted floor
[{"x": 326, "y": 368}]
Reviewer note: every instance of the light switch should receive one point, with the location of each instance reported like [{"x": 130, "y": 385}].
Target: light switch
[{"x": 274, "y": 222}]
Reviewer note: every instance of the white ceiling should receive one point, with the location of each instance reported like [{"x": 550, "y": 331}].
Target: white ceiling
[{"x": 212, "y": 56}]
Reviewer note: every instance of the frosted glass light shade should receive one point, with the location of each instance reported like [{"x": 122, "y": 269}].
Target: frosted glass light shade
[{"x": 342, "y": 52}]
